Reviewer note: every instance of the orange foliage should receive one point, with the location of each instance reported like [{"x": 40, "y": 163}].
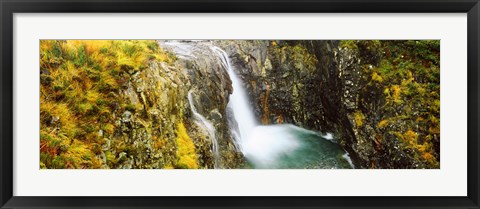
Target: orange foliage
[
  {"x": 266, "y": 111},
  {"x": 280, "y": 119}
]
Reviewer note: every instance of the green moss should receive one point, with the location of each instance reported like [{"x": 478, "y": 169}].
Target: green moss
[
  {"x": 110, "y": 158},
  {"x": 407, "y": 75},
  {"x": 130, "y": 107},
  {"x": 58, "y": 162},
  {"x": 296, "y": 56},
  {"x": 349, "y": 44}
]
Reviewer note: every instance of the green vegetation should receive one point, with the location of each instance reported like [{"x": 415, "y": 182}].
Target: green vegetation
[
  {"x": 123, "y": 103},
  {"x": 290, "y": 64},
  {"x": 359, "y": 118},
  {"x": 408, "y": 77},
  {"x": 80, "y": 82},
  {"x": 297, "y": 54}
]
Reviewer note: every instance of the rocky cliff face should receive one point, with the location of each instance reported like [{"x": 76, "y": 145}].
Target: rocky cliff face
[
  {"x": 297, "y": 83},
  {"x": 129, "y": 104},
  {"x": 200, "y": 73},
  {"x": 329, "y": 87},
  {"x": 211, "y": 87}
]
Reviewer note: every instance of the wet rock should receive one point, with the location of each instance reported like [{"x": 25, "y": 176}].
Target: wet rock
[
  {"x": 302, "y": 84},
  {"x": 126, "y": 117},
  {"x": 216, "y": 115}
]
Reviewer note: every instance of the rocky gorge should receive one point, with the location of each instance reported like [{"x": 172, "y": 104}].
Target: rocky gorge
[{"x": 174, "y": 104}]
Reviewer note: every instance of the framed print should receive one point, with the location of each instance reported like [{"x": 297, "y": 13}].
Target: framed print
[{"x": 266, "y": 104}]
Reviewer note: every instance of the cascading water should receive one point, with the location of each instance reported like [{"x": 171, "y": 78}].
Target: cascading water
[
  {"x": 207, "y": 125},
  {"x": 238, "y": 102},
  {"x": 278, "y": 146},
  {"x": 270, "y": 146}
]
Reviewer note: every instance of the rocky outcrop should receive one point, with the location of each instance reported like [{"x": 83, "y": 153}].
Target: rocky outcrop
[
  {"x": 129, "y": 104},
  {"x": 145, "y": 134},
  {"x": 158, "y": 103},
  {"x": 295, "y": 83},
  {"x": 327, "y": 87},
  {"x": 210, "y": 87},
  {"x": 149, "y": 104},
  {"x": 197, "y": 71}
]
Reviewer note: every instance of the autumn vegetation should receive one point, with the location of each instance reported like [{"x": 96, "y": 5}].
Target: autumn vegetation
[{"x": 80, "y": 81}]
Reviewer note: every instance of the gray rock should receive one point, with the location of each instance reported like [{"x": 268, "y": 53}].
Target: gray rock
[{"x": 126, "y": 117}]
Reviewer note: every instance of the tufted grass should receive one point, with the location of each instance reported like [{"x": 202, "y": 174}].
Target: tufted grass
[{"x": 79, "y": 81}]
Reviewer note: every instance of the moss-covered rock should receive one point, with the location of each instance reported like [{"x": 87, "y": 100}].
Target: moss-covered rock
[
  {"x": 124, "y": 104},
  {"x": 379, "y": 98}
]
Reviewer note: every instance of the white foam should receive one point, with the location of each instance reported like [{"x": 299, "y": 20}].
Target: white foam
[
  {"x": 267, "y": 143},
  {"x": 328, "y": 136},
  {"x": 349, "y": 160},
  {"x": 207, "y": 126},
  {"x": 239, "y": 103}
]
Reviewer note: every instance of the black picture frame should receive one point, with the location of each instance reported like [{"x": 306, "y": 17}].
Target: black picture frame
[{"x": 10, "y": 7}]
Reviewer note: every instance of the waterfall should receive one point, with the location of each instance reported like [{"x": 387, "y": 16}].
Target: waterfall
[
  {"x": 238, "y": 103},
  {"x": 279, "y": 145},
  {"x": 264, "y": 146},
  {"x": 207, "y": 126}
]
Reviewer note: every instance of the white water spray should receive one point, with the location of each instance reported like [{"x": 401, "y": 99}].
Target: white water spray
[
  {"x": 346, "y": 156},
  {"x": 238, "y": 102},
  {"x": 265, "y": 146},
  {"x": 208, "y": 127}
]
